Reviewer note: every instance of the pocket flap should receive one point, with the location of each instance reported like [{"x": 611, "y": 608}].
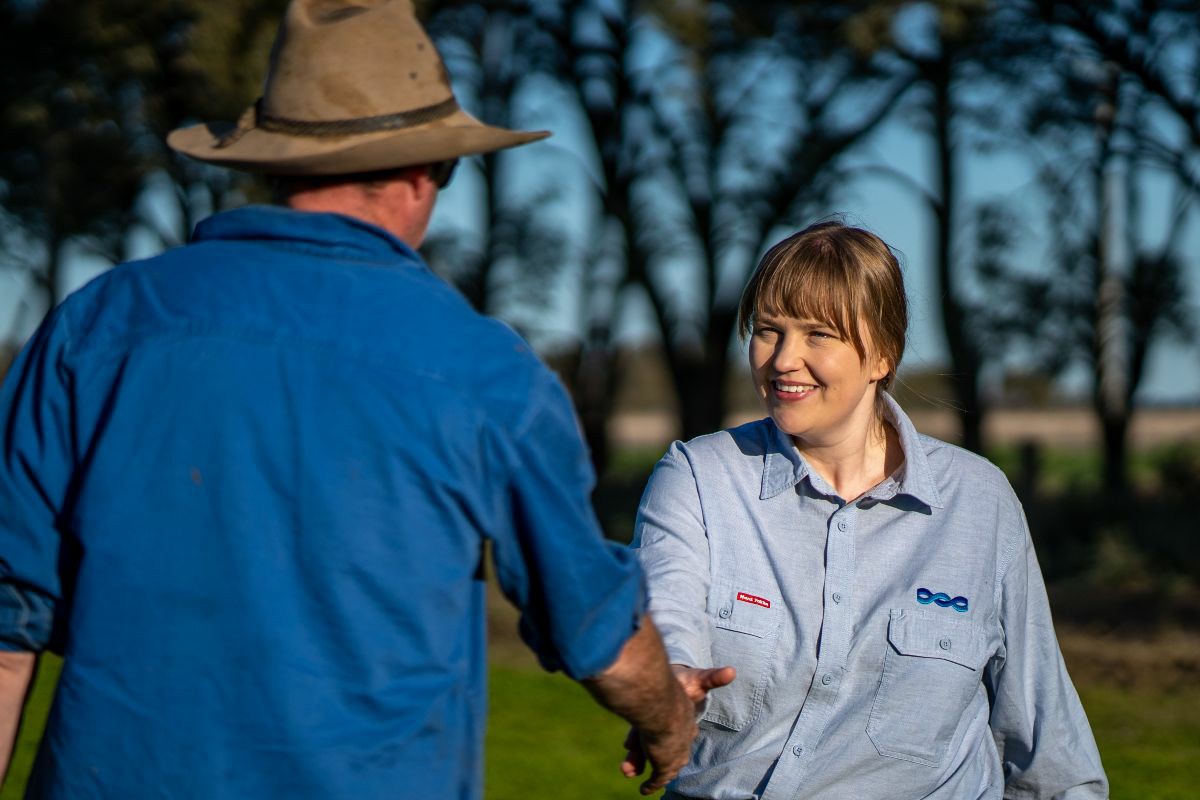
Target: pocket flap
[
  {"x": 957, "y": 641},
  {"x": 743, "y": 612}
]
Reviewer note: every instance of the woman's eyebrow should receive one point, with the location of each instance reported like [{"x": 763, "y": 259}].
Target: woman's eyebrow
[{"x": 812, "y": 324}]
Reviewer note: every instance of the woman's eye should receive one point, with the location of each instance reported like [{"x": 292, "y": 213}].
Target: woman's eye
[{"x": 824, "y": 334}]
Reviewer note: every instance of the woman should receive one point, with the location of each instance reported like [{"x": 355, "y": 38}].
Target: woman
[{"x": 875, "y": 589}]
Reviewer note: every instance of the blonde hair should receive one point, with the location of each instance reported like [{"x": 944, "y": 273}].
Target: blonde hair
[{"x": 845, "y": 277}]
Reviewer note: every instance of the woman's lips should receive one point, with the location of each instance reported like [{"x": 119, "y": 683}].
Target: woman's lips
[{"x": 790, "y": 391}]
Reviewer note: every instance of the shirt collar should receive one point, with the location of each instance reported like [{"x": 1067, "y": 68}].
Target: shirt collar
[
  {"x": 916, "y": 476},
  {"x": 354, "y": 237},
  {"x": 784, "y": 467}
]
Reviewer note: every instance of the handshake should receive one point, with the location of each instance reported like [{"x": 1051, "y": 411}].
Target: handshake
[{"x": 662, "y": 702}]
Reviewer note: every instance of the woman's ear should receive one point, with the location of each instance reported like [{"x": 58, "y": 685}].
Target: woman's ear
[{"x": 882, "y": 368}]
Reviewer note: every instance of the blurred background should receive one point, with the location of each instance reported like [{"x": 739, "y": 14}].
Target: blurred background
[{"x": 1036, "y": 165}]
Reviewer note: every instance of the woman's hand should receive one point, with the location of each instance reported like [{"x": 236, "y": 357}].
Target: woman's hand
[{"x": 699, "y": 682}]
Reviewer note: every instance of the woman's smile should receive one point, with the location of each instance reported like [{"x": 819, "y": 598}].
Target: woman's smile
[{"x": 791, "y": 392}]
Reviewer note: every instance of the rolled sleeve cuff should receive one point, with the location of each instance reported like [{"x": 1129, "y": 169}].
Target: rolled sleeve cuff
[
  {"x": 608, "y": 626},
  {"x": 26, "y": 619}
]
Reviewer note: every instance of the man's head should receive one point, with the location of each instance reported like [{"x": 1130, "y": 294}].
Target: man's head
[
  {"x": 355, "y": 90},
  {"x": 398, "y": 200}
]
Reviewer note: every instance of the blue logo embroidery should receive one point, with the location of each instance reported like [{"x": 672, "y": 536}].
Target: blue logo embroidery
[{"x": 943, "y": 600}]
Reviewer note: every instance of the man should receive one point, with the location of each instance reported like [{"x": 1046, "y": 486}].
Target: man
[{"x": 246, "y": 486}]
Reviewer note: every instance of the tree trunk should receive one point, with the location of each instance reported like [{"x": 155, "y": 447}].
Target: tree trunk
[
  {"x": 1111, "y": 392},
  {"x": 52, "y": 282},
  {"x": 596, "y": 378},
  {"x": 963, "y": 354},
  {"x": 700, "y": 384},
  {"x": 1116, "y": 444}
]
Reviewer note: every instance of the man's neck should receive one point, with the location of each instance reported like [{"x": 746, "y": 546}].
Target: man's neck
[{"x": 399, "y": 206}]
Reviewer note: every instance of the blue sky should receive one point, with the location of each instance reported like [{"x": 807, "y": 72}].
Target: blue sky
[
  {"x": 890, "y": 208},
  {"x": 877, "y": 202},
  {"x": 874, "y": 201}
]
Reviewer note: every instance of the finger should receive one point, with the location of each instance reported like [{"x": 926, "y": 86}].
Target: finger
[
  {"x": 689, "y": 679},
  {"x": 635, "y": 759},
  {"x": 697, "y": 683},
  {"x": 715, "y": 678},
  {"x": 658, "y": 779},
  {"x": 652, "y": 785}
]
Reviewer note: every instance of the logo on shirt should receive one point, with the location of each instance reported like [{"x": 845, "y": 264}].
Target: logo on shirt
[
  {"x": 758, "y": 601},
  {"x": 941, "y": 599}
]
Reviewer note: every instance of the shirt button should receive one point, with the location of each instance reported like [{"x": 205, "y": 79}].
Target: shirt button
[
  {"x": 841, "y": 526},
  {"x": 797, "y": 750},
  {"x": 837, "y": 597},
  {"x": 826, "y": 679},
  {"x": 724, "y": 613},
  {"x": 944, "y": 643}
]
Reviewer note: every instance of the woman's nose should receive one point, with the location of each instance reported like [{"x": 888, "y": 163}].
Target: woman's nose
[{"x": 788, "y": 355}]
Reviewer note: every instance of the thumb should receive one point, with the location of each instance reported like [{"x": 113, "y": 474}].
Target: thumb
[{"x": 714, "y": 678}]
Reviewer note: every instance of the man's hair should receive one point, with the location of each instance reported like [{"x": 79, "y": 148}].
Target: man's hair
[
  {"x": 842, "y": 276},
  {"x": 284, "y": 186}
]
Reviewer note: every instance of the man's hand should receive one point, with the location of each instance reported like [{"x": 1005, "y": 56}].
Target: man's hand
[
  {"x": 696, "y": 684},
  {"x": 16, "y": 674},
  {"x": 667, "y": 754},
  {"x": 641, "y": 687}
]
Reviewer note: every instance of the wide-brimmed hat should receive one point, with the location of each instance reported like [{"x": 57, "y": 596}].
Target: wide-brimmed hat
[{"x": 353, "y": 86}]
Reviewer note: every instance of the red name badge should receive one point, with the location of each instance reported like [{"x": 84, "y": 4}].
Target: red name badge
[{"x": 758, "y": 601}]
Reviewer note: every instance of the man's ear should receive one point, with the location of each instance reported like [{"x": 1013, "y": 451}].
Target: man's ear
[{"x": 416, "y": 179}]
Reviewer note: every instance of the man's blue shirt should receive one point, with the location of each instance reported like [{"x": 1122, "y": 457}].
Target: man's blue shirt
[{"x": 245, "y": 489}]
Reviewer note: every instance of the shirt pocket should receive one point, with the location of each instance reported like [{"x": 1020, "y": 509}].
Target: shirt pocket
[
  {"x": 931, "y": 670},
  {"x": 744, "y": 636}
]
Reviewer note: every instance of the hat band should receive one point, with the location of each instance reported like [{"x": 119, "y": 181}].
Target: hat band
[
  {"x": 255, "y": 117},
  {"x": 347, "y": 127}
]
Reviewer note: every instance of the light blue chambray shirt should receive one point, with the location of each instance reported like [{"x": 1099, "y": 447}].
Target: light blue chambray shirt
[{"x": 899, "y": 646}]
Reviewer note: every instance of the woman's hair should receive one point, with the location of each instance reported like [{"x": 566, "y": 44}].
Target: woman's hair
[{"x": 845, "y": 277}]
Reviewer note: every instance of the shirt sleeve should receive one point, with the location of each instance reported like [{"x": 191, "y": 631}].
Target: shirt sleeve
[
  {"x": 1042, "y": 733},
  {"x": 580, "y": 595},
  {"x": 36, "y": 466},
  {"x": 672, "y": 546}
]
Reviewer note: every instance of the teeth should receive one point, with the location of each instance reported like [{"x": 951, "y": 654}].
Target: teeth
[{"x": 794, "y": 389}]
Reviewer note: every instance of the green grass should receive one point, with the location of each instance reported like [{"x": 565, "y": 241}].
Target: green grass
[
  {"x": 1149, "y": 740},
  {"x": 546, "y": 733},
  {"x": 1081, "y": 469},
  {"x": 547, "y": 736}
]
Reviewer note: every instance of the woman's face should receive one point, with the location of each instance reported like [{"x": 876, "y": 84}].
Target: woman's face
[{"x": 813, "y": 382}]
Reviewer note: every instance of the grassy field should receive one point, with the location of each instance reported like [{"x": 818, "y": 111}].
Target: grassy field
[
  {"x": 546, "y": 735},
  {"x": 1149, "y": 740}
]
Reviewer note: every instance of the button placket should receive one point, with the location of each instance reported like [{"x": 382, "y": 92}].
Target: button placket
[{"x": 817, "y": 710}]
